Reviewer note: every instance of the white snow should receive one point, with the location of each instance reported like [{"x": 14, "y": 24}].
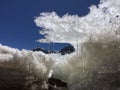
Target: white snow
[
  {"x": 100, "y": 22},
  {"x": 25, "y": 60},
  {"x": 97, "y": 36}
]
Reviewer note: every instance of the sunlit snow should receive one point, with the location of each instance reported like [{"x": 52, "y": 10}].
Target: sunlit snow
[{"x": 96, "y": 38}]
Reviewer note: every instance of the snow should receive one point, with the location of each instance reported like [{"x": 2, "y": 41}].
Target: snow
[
  {"x": 97, "y": 36},
  {"x": 102, "y": 21},
  {"x": 38, "y": 62}
]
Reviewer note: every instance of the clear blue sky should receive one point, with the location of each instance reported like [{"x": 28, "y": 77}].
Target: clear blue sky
[{"x": 17, "y": 28}]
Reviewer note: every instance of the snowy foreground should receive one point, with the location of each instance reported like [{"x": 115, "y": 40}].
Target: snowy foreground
[{"x": 95, "y": 65}]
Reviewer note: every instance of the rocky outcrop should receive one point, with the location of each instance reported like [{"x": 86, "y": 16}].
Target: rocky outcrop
[
  {"x": 40, "y": 49},
  {"x": 67, "y": 50},
  {"x": 56, "y": 84}
]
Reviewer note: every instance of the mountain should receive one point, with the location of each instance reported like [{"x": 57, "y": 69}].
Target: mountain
[
  {"x": 40, "y": 49},
  {"x": 67, "y": 50}
]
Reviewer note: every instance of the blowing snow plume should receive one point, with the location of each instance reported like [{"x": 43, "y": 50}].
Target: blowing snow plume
[{"x": 96, "y": 38}]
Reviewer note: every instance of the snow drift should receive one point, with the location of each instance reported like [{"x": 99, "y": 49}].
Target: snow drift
[
  {"x": 96, "y": 38},
  {"x": 27, "y": 61}
]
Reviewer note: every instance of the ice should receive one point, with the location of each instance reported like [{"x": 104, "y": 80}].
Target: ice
[
  {"x": 101, "y": 21},
  {"x": 96, "y": 37}
]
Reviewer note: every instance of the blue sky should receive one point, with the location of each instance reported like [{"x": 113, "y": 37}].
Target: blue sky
[{"x": 17, "y": 28}]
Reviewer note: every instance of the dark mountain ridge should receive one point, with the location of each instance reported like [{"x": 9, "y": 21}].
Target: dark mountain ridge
[{"x": 66, "y": 50}]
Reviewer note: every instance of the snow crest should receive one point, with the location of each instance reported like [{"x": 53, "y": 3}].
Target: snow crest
[{"x": 102, "y": 22}]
